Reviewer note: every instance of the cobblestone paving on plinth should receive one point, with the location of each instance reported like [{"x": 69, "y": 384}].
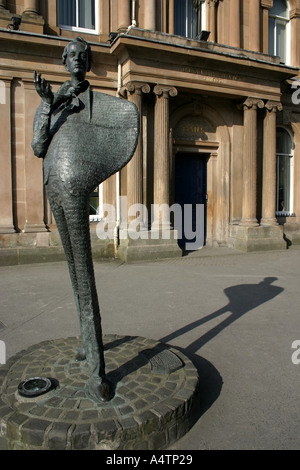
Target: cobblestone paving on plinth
[{"x": 155, "y": 401}]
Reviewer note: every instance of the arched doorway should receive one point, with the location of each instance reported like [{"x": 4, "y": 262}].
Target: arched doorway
[{"x": 200, "y": 139}]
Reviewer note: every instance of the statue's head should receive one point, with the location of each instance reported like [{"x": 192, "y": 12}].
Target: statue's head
[{"x": 77, "y": 57}]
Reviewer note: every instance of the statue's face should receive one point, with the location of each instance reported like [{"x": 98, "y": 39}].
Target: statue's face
[{"x": 77, "y": 60}]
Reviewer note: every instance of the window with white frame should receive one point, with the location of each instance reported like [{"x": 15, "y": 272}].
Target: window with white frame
[
  {"x": 285, "y": 172},
  {"x": 279, "y": 30},
  {"x": 189, "y": 17},
  {"x": 78, "y": 15}
]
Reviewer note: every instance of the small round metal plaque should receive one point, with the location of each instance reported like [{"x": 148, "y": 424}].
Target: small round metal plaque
[{"x": 34, "y": 387}]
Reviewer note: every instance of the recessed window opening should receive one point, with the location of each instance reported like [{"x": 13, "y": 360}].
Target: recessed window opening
[
  {"x": 78, "y": 15},
  {"x": 279, "y": 31},
  {"x": 189, "y": 17},
  {"x": 285, "y": 173}
]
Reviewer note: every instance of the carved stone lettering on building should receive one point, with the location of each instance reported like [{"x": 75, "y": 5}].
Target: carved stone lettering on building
[
  {"x": 211, "y": 75},
  {"x": 194, "y": 128}
]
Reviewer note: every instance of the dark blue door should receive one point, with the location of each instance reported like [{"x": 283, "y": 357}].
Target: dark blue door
[{"x": 191, "y": 195}]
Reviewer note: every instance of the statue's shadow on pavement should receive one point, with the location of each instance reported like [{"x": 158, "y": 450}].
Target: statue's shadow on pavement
[{"x": 242, "y": 299}]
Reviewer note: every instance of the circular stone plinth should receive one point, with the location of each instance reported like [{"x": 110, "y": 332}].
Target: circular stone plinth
[{"x": 156, "y": 397}]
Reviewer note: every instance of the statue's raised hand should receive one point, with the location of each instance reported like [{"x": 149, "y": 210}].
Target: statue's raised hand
[{"x": 43, "y": 88}]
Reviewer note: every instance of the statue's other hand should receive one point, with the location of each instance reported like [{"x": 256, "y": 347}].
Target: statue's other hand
[{"x": 43, "y": 88}]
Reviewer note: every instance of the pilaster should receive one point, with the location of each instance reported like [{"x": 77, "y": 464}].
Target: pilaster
[
  {"x": 295, "y": 34},
  {"x": 250, "y": 107},
  {"x": 31, "y": 19},
  {"x": 254, "y": 25},
  {"x": 31, "y": 7},
  {"x": 266, "y": 6},
  {"x": 34, "y": 188},
  {"x": 6, "y": 202},
  {"x": 150, "y": 15},
  {"x": 134, "y": 92},
  {"x": 269, "y": 165},
  {"x": 171, "y": 16},
  {"x": 161, "y": 241},
  {"x": 235, "y": 24},
  {"x": 162, "y": 156},
  {"x": 211, "y": 16},
  {"x": 5, "y": 15},
  {"x": 249, "y": 235},
  {"x": 124, "y": 15}
]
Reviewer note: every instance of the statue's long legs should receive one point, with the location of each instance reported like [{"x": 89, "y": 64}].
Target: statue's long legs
[
  {"x": 62, "y": 226},
  {"x": 71, "y": 215},
  {"x": 76, "y": 213}
]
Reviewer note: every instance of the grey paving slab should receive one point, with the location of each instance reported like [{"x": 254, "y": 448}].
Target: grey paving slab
[{"x": 234, "y": 315}]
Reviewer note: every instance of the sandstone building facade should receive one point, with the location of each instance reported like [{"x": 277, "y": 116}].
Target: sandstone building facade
[{"x": 215, "y": 82}]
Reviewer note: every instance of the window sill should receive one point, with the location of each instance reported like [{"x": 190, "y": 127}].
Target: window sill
[{"x": 79, "y": 30}]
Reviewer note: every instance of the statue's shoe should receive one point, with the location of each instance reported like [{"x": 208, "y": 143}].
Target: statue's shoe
[
  {"x": 102, "y": 391},
  {"x": 80, "y": 356}
]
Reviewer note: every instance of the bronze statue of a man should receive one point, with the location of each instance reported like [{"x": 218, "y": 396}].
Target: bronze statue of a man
[{"x": 83, "y": 137}]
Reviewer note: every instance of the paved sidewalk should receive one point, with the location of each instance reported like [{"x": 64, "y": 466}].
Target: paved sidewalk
[{"x": 235, "y": 315}]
